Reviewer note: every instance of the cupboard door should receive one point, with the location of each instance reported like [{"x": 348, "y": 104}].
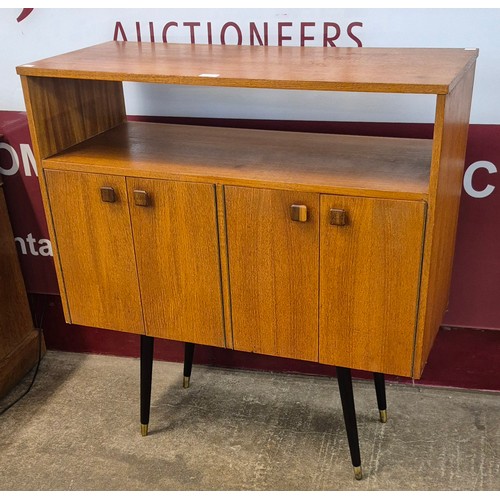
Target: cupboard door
[
  {"x": 273, "y": 270},
  {"x": 177, "y": 252},
  {"x": 94, "y": 240},
  {"x": 371, "y": 251}
]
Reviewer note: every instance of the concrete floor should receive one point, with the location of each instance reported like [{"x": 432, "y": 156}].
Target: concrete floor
[{"x": 78, "y": 429}]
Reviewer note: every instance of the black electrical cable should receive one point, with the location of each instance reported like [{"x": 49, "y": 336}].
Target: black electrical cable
[{"x": 40, "y": 336}]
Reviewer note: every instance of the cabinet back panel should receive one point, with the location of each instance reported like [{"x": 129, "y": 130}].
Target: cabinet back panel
[
  {"x": 273, "y": 270},
  {"x": 64, "y": 112},
  {"x": 369, "y": 283},
  {"x": 177, "y": 251},
  {"x": 94, "y": 243}
]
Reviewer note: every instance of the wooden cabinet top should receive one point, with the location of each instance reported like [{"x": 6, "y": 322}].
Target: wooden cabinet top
[{"x": 360, "y": 69}]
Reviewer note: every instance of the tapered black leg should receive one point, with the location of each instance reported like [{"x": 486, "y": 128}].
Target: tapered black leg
[
  {"x": 147, "y": 345},
  {"x": 344, "y": 379},
  {"x": 188, "y": 363},
  {"x": 379, "y": 380}
]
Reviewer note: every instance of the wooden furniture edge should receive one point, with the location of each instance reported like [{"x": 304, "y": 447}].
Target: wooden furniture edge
[
  {"x": 224, "y": 266},
  {"x": 38, "y": 111},
  {"x": 341, "y": 191},
  {"x": 450, "y": 141},
  {"x": 16, "y": 323},
  {"x": 37, "y": 68},
  {"x": 20, "y": 361}
]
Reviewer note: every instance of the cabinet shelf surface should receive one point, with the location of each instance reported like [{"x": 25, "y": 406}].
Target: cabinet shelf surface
[
  {"x": 337, "y": 164},
  {"x": 359, "y": 69}
]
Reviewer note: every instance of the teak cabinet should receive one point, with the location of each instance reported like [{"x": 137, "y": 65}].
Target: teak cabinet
[{"x": 329, "y": 248}]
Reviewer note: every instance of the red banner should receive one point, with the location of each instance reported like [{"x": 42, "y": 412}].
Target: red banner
[
  {"x": 475, "y": 286},
  {"x": 22, "y": 193}
]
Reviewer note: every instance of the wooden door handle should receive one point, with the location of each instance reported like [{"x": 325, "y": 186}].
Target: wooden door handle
[
  {"x": 141, "y": 198},
  {"x": 338, "y": 217},
  {"x": 298, "y": 213},
  {"x": 108, "y": 194}
]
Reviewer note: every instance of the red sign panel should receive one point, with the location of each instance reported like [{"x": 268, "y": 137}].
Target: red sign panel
[{"x": 22, "y": 192}]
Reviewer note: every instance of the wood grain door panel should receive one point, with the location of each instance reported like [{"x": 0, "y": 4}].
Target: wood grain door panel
[
  {"x": 94, "y": 241},
  {"x": 177, "y": 252},
  {"x": 369, "y": 283},
  {"x": 273, "y": 270}
]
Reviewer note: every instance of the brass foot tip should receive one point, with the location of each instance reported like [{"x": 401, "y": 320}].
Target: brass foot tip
[
  {"x": 185, "y": 382},
  {"x": 358, "y": 473},
  {"x": 144, "y": 430},
  {"x": 383, "y": 416}
]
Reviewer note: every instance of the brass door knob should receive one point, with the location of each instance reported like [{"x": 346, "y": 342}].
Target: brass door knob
[
  {"x": 108, "y": 194},
  {"x": 298, "y": 213},
  {"x": 338, "y": 217},
  {"x": 141, "y": 198}
]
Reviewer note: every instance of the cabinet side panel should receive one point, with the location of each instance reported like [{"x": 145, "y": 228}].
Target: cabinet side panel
[
  {"x": 177, "y": 251},
  {"x": 94, "y": 241},
  {"x": 19, "y": 361},
  {"x": 369, "y": 283},
  {"x": 273, "y": 269},
  {"x": 63, "y": 112},
  {"x": 452, "y": 123}
]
